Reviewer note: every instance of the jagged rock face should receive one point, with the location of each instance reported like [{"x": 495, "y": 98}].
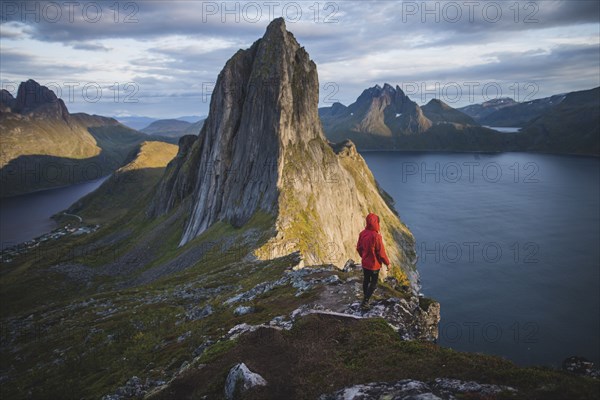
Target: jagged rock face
[
  {"x": 177, "y": 183},
  {"x": 379, "y": 113},
  {"x": 239, "y": 145},
  {"x": 262, "y": 149},
  {"x": 388, "y": 111},
  {"x": 31, "y": 96}
]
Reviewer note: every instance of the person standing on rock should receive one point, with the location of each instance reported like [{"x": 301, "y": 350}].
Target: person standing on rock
[{"x": 371, "y": 250}]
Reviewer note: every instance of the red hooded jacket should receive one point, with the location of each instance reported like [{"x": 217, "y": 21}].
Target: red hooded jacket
[{"x": 370, "y": 245}]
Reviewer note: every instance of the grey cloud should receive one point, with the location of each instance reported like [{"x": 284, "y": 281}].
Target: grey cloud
[
  {"x": 565, "y": 68},
  {"x": 93, "y": 20},
  {"x": 185, "y": 60},
  {"x": 364, "y": 29},
  {"x": 361, "y": 28},
  {"x": 90, "y": 47},
  {"x": 12, "y": 30},
  {"x": 522, "y": 75},
  {"x": 473, "y": 17},
  {"x": 19, "y": 63},
  {"x": 148, "y": 19}
]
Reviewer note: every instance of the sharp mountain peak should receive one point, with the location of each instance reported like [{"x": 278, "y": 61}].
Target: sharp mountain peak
[
  {"x": 35, "y": 98},
  {"x": 262, "y": 150}
]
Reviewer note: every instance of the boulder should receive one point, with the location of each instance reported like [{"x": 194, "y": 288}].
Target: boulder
[{"x": 240, "y": 379}]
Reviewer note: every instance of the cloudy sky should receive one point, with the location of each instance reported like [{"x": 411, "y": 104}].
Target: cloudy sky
[{"x": 161, "y": 58}]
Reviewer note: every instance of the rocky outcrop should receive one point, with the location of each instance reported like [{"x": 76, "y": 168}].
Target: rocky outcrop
[
  {"x": 240, "y": 379},
  {"x": 427, "y": 320},
  {"x": 262, "y": 150},
  {"x": 31, "y": 96},
  {"x": 408, "y": 389},
  {"x": 581, "y": 366},
  {"x": 413, "y": 318},
  {"x": 134, "y": 388}
]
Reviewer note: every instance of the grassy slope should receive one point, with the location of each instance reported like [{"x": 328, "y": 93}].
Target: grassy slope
[
  {"x": 133, "y": 180},
  {"x": 39, "y": 154},
  {"x": 114, "y": 205},
  {"x": 323, "y": 353},
  {"x": 97, "y": 354},
  {"x": 69, "y": 351},
  {"x": 22, "y": 136}
]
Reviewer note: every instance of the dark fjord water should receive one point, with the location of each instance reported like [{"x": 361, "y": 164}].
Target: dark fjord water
[
  {"x": 28, "y": 216},
  {"x": 508, "y": 244}
]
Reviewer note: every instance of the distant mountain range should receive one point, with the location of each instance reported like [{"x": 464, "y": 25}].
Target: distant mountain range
[
  {"x": 385, "y": 118},
  {"x": 571, "y": 125},
  {"x": 45, "y": 146},
  {"x": 173, "y": 127},
  {"x": 141, "y": 122},
  {"x": 482, "y": 110},
  {"x": 509, "y": 113}
]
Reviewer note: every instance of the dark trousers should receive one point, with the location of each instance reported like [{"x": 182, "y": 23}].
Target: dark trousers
[{"x": 369, "y": 282}]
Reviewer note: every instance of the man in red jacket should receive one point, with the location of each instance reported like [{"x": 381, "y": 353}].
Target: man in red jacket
[{"x": 371, "y": 249}]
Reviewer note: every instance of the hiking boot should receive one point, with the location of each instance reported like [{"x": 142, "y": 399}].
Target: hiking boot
[
  {"x": 377, "y": 297},
  {"x": 365, "y": 304}
]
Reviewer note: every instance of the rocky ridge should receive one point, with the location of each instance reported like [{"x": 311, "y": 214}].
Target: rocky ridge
[
  {"x": 337, "y": 297},
  {"x": 407, "y": 389}
]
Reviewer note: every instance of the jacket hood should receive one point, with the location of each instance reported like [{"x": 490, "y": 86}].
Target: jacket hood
[{"x": 373, "y": 222}]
